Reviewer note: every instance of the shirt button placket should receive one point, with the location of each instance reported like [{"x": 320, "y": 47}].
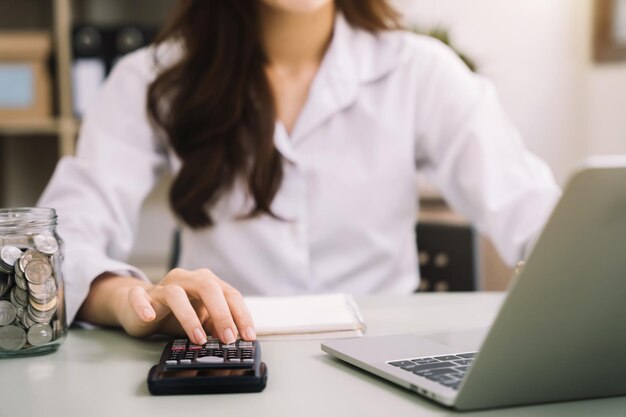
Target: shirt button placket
[{"x": 301, "y": 229}]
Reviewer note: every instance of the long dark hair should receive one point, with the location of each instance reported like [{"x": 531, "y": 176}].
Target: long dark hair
[{"x": 215, "y": 104}]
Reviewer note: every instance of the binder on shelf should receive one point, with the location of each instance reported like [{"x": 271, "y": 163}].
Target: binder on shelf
[{"x": 96, "y": 50}]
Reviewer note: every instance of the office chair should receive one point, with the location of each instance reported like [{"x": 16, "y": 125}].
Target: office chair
[{"x": 448, "y": 255}]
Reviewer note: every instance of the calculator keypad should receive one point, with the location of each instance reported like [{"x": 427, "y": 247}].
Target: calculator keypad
[{"x": 186, "y": 355}]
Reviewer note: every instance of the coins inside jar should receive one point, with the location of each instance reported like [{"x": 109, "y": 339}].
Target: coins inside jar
[
  {"x": 8, "y": 256},
  {"x": 27, "y": 257},
  {"x": 20, "y": 279},
  {"x": 46, "y": 244},
  {"x": 31, "y": 296},
  {"x": 39, "y": 334},
  {"x": 45, "y": 292},
  {"x": 19, "y": 297},
  {"x": 7, "y": 313},
  {"x": 37, "y": 271},
  {"x": 12, "y": 338}
]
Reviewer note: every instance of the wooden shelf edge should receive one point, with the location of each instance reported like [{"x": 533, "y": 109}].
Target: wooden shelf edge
[
  {"x": 44, "y": 126},
  {"x": 37, "y": 127}
]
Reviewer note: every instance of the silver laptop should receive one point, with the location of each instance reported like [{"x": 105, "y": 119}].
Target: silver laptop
[{"x": 561, "y": 332}]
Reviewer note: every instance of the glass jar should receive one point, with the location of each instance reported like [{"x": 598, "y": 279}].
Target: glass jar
[{"x": 32, "y": 302}]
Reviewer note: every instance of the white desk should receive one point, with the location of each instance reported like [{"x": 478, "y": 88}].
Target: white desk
[{"x": 102, "y": 373}]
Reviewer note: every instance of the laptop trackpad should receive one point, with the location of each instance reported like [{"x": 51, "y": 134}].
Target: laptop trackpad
[{"x": 460, "y": 341}]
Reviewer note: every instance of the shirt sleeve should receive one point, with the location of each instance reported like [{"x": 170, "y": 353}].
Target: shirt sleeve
[
  {"x": 99, "y": 192},
  {"x": 470, "y": 150}
]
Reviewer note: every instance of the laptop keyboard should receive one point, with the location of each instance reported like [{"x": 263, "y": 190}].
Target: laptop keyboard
[{"x": 447, "y": 370}]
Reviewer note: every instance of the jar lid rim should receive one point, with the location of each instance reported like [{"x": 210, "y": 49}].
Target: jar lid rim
[{"x": 12, "y": 216}]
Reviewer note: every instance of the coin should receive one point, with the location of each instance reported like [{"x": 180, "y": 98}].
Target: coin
[
  {"x": 27, "y": 257},
  {"x": 39, "y": 334},
  {"x": 33, "y": 319},
  {"x": 12, "y": 338},
  {"x": 26, "y": 320},
  {"x": 20, "y": 281},
  {"x": 43, "y": 307},
  {"x": 45, "y": 291},
  {"x": 37, "y": 271},
  {"x": 46, "y": 244},
  {"x": 7, "y": 313},
  {"x": 10, "y": 254},
  {"x": 19, "y": 313},
  {"x": 41, "y": 315},
  {"x": 12, "y": 298},
  {"x": 18, "y": 271},
  {"x": 33, "y": 316},
  {"x": 19, "y": 297}
]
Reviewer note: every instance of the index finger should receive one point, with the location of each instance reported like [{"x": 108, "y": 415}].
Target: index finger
[
  {"x": 224, "y": 305},
  {"x": 239, "y": 310}
]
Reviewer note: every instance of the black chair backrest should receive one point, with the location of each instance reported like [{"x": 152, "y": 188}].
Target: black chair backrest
[{"x": 447, "y": 257}]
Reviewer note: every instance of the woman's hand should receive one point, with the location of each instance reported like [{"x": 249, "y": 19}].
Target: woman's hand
[{"x": 192, "y": 302}]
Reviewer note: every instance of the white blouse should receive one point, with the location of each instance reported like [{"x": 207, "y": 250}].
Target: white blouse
[{"x": 381, "y": 108}]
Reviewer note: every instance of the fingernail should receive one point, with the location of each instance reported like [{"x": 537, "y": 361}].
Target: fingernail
[
  {"x": 250, "y": 334},
  {"x": 229, "y": 336},
  {"x": 200, "y": 336},
  {"x": 147, "y": 313}
]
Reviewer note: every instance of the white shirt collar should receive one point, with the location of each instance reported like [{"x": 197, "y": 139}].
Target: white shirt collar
[{"x": 354, "y": 57}]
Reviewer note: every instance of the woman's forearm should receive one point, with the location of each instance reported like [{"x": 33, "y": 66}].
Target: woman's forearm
[{"x": 107, "y": 299}]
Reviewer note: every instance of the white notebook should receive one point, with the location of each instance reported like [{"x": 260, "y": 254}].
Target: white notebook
[{"x": 306, "y": 317}]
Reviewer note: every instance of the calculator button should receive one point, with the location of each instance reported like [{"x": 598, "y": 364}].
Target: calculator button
[
  {"x": 171, "y": 362},
  {"x": 185, "y": 362},
  {"x": 231, "y": 346},
  {"x": 210, "y": 359},
  {"x": 247, "y": 360}
]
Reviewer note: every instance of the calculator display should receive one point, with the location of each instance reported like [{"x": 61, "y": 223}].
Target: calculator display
[{"x": 191, "y": 373}]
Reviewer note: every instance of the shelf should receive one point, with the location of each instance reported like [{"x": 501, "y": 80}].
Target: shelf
[
  {"x": 31, "y": 127},
  {"x": 64, "y": 130},
  {"x": 441, "y": 215},
  {"x": 38, "y": 127}
]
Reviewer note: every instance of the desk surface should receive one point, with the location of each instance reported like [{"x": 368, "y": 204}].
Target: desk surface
[{"x": 103, "y": 372}]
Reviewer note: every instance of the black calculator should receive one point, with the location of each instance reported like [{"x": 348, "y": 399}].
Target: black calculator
[{"x": 214, "y": 367}]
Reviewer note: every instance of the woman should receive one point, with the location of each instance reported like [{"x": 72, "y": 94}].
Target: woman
[{"x": 294, "y": 129}]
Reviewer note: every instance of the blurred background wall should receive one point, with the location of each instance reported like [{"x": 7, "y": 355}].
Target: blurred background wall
[{"x": 539, "y": 54}]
